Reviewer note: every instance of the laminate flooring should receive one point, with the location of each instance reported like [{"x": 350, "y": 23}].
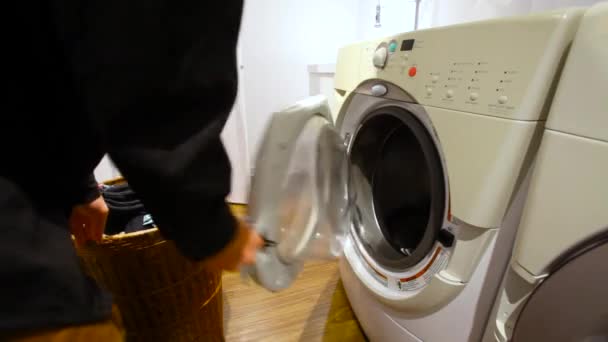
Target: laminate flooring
[{"x": 314, "y": 308}]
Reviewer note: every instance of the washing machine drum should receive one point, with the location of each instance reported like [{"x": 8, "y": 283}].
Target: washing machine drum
[
  {"x": 309, "y": 193},
  {"x": 398, "y": 179}
]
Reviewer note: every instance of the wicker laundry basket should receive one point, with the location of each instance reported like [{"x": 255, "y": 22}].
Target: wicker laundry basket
[{"x": 161, "y": 295}]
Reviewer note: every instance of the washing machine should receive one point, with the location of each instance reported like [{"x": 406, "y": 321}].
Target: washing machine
[
  {"x": 443, "y": 126},
  {"x": 418, "y": 175},
  {"x": 555, "y": 288}
]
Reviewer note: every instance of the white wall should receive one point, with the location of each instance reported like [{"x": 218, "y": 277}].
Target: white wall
[
  {"x": 446, "y": 12},
  {"x": 106, "y": 170},
  {"x": 396, "y": 16},
  {"x": 279, "y": 39},
  {"x": 234, "y": 137}
]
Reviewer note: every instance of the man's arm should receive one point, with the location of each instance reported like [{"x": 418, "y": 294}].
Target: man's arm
[
  {"x": 158, "y": 79},
  {"x": 88, "y": 190}
]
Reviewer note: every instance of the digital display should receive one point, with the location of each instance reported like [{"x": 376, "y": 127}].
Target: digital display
[{"x": 407, "y": 45}]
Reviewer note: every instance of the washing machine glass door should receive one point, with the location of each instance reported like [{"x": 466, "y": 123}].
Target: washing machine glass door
[{"x": 299, "y": 198}]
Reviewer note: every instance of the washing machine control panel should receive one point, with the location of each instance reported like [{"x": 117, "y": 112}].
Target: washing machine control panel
[{"x": 501, "y": 68}]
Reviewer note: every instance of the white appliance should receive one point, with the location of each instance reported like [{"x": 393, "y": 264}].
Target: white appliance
[
  {"x": 556, "y": 286},
  {"x": 423, "y": 172},
  {"x": 479, "y": 93}
]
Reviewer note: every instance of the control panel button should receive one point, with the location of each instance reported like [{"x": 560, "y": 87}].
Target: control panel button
[
  {"x": 392, "y": 46},
  {"x": 473, "y": 96},
  {"x": 380, "y": 57},
  {"x": 379, "y": 90},
  {"x": 412, "y": 71},
  {"x": 502, "y": 99},
  {"x": 429, "y": 91},
  {"x": 434, "y": 79},
  {"x": 449, "y": 94}
]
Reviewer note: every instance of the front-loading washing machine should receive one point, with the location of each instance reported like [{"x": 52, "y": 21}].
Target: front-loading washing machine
[
  {"x": 556, "y": 286},
  {"x": 418, "y": 176},
  {"x": 441, "y": 199}
]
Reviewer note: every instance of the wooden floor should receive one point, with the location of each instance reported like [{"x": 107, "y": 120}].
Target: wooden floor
[{"x": 315, "y": 308}]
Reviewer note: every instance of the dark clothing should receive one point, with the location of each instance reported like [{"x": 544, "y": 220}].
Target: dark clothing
[
  {"x": 126, "y": 211},
  {"x": 150, "y": 82}
]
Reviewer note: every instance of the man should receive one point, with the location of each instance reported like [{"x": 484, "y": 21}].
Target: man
[{"x": 151, "y": 83}]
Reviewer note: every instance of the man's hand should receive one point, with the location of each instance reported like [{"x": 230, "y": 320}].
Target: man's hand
[
  {"x": 240, "y": 251},
  {"x": 88, "y": 221}
]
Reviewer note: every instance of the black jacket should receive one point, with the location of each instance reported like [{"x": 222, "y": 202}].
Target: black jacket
[{"x": 150, "y": 82}]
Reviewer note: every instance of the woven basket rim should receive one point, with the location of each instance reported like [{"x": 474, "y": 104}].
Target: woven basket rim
[
  {"x": 140, "y": 240},
  {"x": 124, "y": 236}
]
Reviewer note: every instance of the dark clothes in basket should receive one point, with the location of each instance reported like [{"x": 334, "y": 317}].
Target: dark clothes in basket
[
  {"x": 127, "y": 213},
  {"x": 151, "y": 83}
]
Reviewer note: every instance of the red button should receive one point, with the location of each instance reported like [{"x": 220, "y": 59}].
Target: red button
[{"x": 412, "y": 72}]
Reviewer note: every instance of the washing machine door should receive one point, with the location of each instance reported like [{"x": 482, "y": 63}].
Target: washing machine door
[{"x": 299, "y": 195}]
